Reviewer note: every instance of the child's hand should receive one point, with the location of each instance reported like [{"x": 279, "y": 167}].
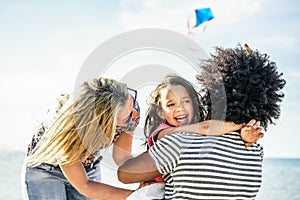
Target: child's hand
[
  {"x": 251, "y": 132},
  {"x": 146, "y": 183}
]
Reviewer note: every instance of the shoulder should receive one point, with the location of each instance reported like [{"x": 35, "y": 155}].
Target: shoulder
[
  {"x": 179, "y": 140},
  {"x": 159, "y": 128},
  {"x": 170, "y": 142},
  {"x": 153, "y": 136},
  {"x": 179, "y": 136}
]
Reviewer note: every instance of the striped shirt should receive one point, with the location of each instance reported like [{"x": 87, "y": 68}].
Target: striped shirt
[{"x": 208, "y": 167}]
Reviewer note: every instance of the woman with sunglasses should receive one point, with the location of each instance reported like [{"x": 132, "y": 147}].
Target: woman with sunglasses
[{"x": 62, "y": 160}]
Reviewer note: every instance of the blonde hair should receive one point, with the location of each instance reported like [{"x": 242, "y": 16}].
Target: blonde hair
[
  {"x": 60, "y": 101},
  {"x": 84, "y": 124}
]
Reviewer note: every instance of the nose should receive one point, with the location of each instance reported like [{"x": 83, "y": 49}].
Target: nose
[{"x": 180, "y": 107}]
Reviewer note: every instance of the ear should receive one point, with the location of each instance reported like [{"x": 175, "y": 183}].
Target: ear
[{"x": 161, "y": 113}]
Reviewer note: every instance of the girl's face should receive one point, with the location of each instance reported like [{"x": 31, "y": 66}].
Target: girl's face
[{"x": 177, "y": 106}]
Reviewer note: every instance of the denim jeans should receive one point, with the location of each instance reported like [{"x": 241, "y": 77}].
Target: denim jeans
[{"x": 48, "y": 182}]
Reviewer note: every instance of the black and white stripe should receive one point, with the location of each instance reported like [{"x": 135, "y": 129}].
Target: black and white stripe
[{"x": 202, "y": 167}]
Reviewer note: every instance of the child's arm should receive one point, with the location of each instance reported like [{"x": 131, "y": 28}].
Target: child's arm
[
  {"x": 209, "y": 127},
  {"x": 249, "y": 133}
]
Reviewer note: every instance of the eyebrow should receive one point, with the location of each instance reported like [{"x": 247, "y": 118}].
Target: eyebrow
[
  {"x": 172, "y": 99},
  {"x": 169, "y": 100}
]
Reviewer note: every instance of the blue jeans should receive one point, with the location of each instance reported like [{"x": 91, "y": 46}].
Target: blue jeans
[{"x": 48, "y": 182}]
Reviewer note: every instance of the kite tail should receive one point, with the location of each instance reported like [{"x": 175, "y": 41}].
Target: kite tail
[
  {"x": 188, "y": 25},
  {"x": 205, "y": 25}
]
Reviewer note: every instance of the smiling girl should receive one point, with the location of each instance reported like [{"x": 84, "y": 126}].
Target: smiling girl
[{"x": 175, "y": 107}]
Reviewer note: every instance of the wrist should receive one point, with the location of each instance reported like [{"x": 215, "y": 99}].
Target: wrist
[{"x": 175, "y": 129}]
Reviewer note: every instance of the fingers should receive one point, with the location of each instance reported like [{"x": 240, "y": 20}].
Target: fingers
[
  {"x": 251, "y": 123},
  {"x": 261, "y": 135},
  {"x": 257, "y": 125},
  {"x": 248, "y": 144},
  {"x": 143, "y": 184},
  {"x": 258, "y": 132}
]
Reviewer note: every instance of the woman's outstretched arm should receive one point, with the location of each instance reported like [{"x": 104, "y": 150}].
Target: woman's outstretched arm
[{"x": 76, "y": 175}]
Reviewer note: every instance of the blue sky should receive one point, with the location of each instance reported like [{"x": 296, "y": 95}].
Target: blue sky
[{"x": 44, "y": 43}]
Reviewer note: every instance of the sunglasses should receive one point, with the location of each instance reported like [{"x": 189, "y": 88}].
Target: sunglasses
[{"x": 128, "y": 127}]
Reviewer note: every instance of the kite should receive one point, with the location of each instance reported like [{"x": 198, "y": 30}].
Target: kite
[{"x": 201, "y": 15}]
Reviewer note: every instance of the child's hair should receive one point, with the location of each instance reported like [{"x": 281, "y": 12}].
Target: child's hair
[
  {"x": 153, "y": 120},
  {"x": 251, "y": 82},
  {"x": 84, "y": 124}
]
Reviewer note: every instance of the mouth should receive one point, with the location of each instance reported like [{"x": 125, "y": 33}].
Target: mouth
[{"x": 181, "y": 118}]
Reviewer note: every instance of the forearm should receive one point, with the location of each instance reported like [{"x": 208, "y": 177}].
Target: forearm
[
  {"x": 197, "y": 128},
  {"x": 138, "y": 169},
  {"x": 209, "y": 127},
  {"x": 96, "y": 190},
  {"x": 201, "y": 128},
  {"x": 122, "y": 148},
  {"x": 76, "y": 175}
]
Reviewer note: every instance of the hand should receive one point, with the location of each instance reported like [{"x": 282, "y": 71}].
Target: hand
[
  {"x": 251, "y": 133},
  {"x": 146, "y": 183}
]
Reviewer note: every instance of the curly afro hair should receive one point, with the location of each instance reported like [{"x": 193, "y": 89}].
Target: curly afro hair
[{"x": 240, "y": 84}]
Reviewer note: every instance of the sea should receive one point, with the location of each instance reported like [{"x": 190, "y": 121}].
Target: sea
[{"x": 281, "y": 177}]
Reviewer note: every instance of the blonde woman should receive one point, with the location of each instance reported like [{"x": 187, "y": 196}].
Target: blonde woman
[{"x": 62, "y": 157}]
